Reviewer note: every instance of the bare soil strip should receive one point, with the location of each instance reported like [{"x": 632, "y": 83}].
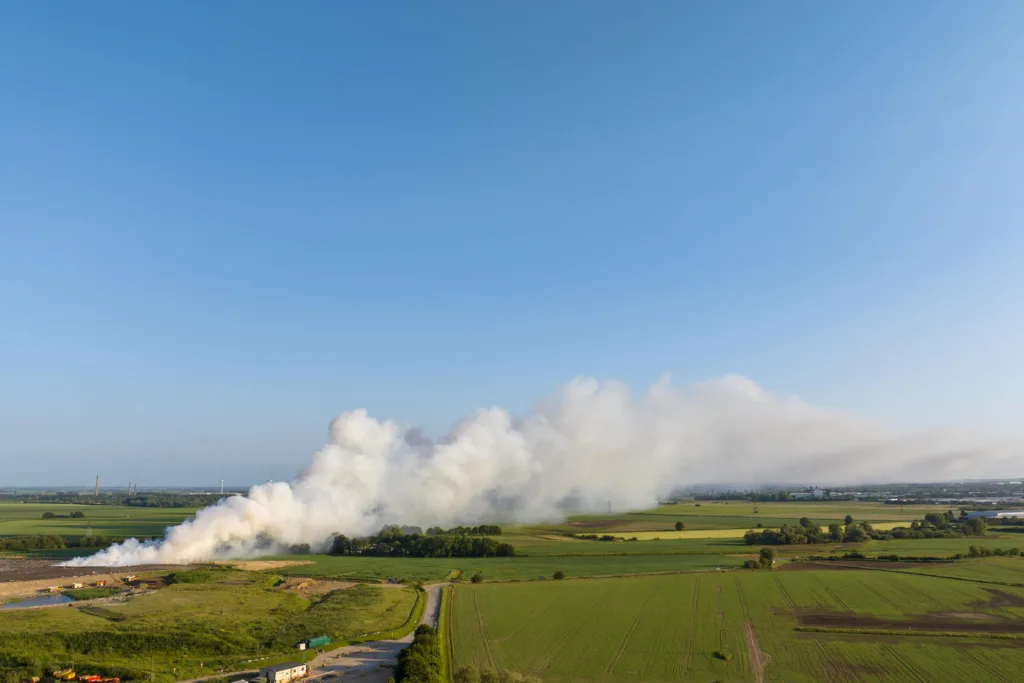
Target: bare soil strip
[
  {"x": 758, "y": 658},
  {"x": 260, "y": 565}
]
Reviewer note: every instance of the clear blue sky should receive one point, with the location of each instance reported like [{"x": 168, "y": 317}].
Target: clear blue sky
[{"x": 223, "y": 223}]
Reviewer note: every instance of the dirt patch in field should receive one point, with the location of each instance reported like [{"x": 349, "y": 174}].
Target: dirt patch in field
[
  {"x": 758, "y": 657},
  {"x": 1002, "y": 599},
  {"x": 260, "y": 565},
  {"x": 930, "y": 622},
  {"x": 314, "y": 586},
  {"x": 20, "y": 577}
]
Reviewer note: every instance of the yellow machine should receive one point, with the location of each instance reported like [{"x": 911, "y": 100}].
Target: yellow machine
[{"x": 64, "y": 675}]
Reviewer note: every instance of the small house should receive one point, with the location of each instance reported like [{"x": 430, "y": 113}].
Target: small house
[{"x": 283, "y": 673}]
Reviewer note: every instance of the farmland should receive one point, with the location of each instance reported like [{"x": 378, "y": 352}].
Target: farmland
[
  {"x": 215, "y": 617},
  {"x": 655, "y": 609},
  {"x": 25, "y": 519},
  {"x": 504, "y": 569},
  {"x": 668, "y": 628}
]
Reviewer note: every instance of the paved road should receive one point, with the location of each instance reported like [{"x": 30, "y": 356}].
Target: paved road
[{"x": 372, "y": 662}]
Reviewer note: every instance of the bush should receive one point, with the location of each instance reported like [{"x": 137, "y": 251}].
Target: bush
[
  {"x": 77, "y": 514},
  {"x": 680, "y": 526},
  {"x": 723, "y": 655},
  {"x": 559, "y": 575},
  {"x": 48, "y": 515},
  {"x": 477, "y": 578}
]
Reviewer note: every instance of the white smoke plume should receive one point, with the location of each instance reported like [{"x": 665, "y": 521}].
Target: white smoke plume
[{"x": 592, "y": 443}]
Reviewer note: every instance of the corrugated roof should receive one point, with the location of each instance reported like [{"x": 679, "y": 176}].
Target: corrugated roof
[{"x": 282, "y": 667}]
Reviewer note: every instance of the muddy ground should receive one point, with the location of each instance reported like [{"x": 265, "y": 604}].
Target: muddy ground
[{"x": 24, "y": 569}]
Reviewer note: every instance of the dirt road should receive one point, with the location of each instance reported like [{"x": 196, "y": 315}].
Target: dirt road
[{"x": 374, "y": 662}]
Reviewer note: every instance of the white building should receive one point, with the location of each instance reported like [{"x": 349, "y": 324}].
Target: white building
[
  {"x": 996, "y": 514},
  {"x": 283, "y": 673}
]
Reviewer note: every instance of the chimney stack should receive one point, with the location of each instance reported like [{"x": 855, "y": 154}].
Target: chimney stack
[{"x": 97, "y": 484}]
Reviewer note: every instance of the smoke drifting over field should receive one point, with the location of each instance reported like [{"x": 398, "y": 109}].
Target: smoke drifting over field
[{"x": 590, "y": 444}]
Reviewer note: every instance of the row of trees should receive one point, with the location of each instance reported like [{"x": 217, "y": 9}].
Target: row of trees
[
  {"x": 389, "y": 543},
  {"x": 421, "y": 661},
  {"x": 55, "y": 542},
  {"x": 935, "y": 525},
  {"x": 77, "y": 514},
  {"x": 482, "y": 530}
]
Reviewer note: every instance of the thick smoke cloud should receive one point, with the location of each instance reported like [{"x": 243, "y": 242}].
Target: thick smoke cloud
[{"x": 590, "y": 444}]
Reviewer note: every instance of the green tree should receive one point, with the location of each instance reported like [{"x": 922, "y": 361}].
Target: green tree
[
  {"x": 48, "y": 515},
  {"x": 477, "y": 578},
  {"x": 489, "y": 676},
  {"x": 975, "y": 526},
  {"x": 848, "y": 520},
  {"x": 467, "y": 674},
  {"x": 806, "y": 523},
  {"x": 784, "y": 495},
  {"x": 680, "y": 526},
  {"x": 77, "y": 514},
  {"x": 767, "y": 557},
  {"x": 559, "y": 575},
  {"x": 835, "y": 531}
]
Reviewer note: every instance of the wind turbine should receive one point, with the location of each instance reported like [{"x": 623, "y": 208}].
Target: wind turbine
[{"x": 222, "y": 487}]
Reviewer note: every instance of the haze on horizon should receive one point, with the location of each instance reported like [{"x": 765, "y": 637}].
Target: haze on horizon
[{"x": 220, "y": 230}]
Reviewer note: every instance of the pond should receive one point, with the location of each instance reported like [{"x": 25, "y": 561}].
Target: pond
[{"x": 41, "y": 601}]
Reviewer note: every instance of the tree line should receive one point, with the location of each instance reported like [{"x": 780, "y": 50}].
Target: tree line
[
  {"x": 55, "y": 542},
  {"x": 934, "y": 525},
  {"x": 393, "y": 542}
]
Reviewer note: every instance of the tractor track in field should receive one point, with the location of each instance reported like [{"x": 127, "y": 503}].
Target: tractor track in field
[
  {"x": 483, "y": 631},
  {"x": 785, "y": 593},
  {"x": 526, "y": 623},
  {"x": 632, "y": 630},
  {"x": 686, "y": 663},
  {"x": 759, "y": 659},
  {"x": 832, "y": 594},
  {"x": 545, "y": 662},
  {"x": 881, "y": 596},
  {"x": 905, "y": 664}
]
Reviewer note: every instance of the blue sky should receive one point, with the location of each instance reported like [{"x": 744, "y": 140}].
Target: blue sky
[{"x": 221, "y": 224}]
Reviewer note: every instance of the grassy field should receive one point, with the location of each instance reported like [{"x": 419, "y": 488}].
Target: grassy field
[
  {"x": 25, "y": 519},
  {"x": 668, "y": 628},
  {"x": 222, "y": 618},
  {"x": 503, "y": 569}
]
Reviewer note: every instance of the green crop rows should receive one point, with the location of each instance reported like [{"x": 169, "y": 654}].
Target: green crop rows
[{"x": 668, "y": 628}]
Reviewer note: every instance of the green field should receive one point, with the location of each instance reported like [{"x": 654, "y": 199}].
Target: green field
[
  {"x": 219, "y": 618},
  {"x": 668, "y": 628},
  {"x": 25, "y": 519},
  {"x": 503, "y": 569}
]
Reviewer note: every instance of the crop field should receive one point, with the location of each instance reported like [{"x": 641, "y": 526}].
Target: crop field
[
  {"x": 996, "y": 569},
  {"x": 717, "y": 533},
  {"x": 214, "y": 617},
  {"x": 857, "y": 625},
  {"x": 25, "y": 519},
  {"x": 503, "y": 568}
]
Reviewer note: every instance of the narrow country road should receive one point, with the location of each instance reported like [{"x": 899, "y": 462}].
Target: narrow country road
[
  {"x": 371, "y": 662},
  {"x": 374, "y": 662}
]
